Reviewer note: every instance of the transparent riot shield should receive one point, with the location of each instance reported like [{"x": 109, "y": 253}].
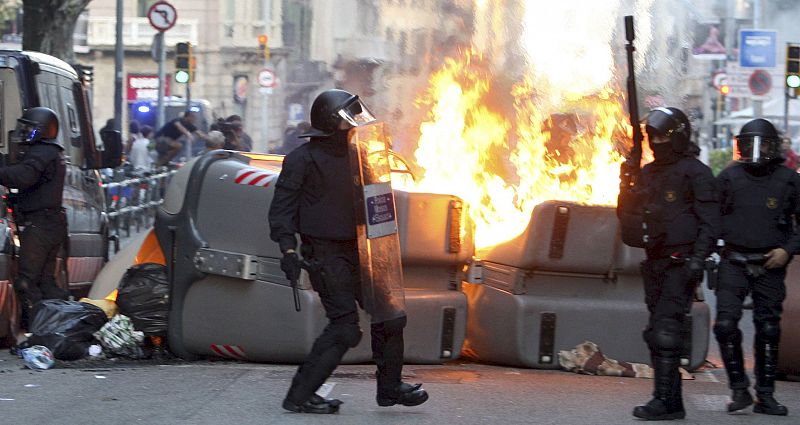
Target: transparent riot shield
[{"x": 376, "y": 224}]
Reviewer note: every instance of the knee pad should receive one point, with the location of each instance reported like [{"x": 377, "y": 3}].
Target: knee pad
[
  {"x": 350, "y": 334},
  {"x": 666, "y": 336},
  {"x": 347, "y": 332},
  {"x": 768, "y": 331},
  {"x": 727, "y": 330}
]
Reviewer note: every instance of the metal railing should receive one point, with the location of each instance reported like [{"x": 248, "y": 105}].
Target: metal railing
[{"x": 132, "y": 199}]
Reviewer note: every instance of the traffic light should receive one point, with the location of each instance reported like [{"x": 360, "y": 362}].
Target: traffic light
[
  {"x": 724, "y": 89},
  {"x": 792, "y": 65},
  {"x": 262, "y": 45},
  {"x": 183, "y": 62}
]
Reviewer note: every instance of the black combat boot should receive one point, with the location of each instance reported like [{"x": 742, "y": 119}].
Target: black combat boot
[
  {"x": 315, "y": 404},
  {"x": 667, "y": 403},
  {"x": 322, "y": 361},
  {"x": 405, "y": 394},
  {"x": 740, "y": 400},
  {"x": 733, "y": 358},
  {"x": 766, "y": 354},
  {"x": 387, "y": 351}
]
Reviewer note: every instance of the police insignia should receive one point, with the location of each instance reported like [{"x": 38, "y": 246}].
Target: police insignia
[
  {"x": 670, "y": 196},
  {"x": 772, "y": 203}
]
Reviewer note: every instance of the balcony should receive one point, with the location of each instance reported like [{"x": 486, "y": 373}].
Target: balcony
[
  {"x": 364, "y": 48},
  {"x": 137, "y": 32}
]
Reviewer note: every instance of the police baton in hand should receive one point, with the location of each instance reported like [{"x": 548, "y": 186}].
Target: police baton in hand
[{"x": 293, "y": 282}]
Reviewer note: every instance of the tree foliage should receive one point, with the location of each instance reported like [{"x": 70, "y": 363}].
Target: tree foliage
[
  {"x": 8, "y": 9},
  {"x": 719, "y": 158},
  {"x": 48, "y": 26}
]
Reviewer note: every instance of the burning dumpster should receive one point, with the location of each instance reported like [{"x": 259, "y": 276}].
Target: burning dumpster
[
  {"x": 567, "y": 279},
  {"x": 229, "y": 297}
]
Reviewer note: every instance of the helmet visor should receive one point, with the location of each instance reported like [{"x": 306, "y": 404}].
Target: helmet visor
[
  {"x": 356, "y": 113},
  {"x": 26, "y": 131},
  {"x": 747, "y": 149}
]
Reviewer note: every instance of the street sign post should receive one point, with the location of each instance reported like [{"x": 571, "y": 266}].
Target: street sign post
[
  {"x": 757, "y": 48},
  {"x": 162, "y": 17}
]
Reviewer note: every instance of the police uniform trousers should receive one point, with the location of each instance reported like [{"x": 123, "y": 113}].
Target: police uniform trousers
[
  {"x": 40, "y": 240},
  {"x": 668, "y": 295},
  {"x": 768, "y": 291},
  {"x": 335, "y": 276}
]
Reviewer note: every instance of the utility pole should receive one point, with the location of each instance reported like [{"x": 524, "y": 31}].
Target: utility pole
[
  {"x": 758, "y": 104},
  {"x": 162, "y": 57},
  {"x": 119, "y": 57}
]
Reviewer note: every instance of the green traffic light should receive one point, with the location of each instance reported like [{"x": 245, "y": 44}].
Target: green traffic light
[
  {"x": 793, "y": 81},
  {"x": 182, "y": 76}
]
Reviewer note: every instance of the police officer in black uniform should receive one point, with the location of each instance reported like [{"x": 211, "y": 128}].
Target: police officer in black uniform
[
  {"x": 314, "y": 196},
  {"x": 675, "y": 205},
  {"x": 759, "y": 201},
  {"x": 38, "y": 176}
]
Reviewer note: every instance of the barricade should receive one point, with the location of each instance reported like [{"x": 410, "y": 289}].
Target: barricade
[{"x": 132, "y": 198}]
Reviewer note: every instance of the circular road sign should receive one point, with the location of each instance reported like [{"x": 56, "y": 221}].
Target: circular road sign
[
  {"x": 760, "y": 82},
  {"x": 162, "y": 15},
  {"x": 266, "y": 78}
]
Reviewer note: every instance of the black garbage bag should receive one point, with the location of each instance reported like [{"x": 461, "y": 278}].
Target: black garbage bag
[
  {"x": 144, "y": 297},
  {"x": 65, "y": 327}
]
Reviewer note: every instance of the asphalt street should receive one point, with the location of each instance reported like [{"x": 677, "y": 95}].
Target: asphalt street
[
  {"x": 172, "y": 391},
  {"x": 223, "y": 392}
]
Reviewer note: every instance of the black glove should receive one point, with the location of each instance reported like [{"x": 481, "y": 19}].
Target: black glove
[
  {"x": 290, "y": 264},
  {"x": 693, "y": 270}
]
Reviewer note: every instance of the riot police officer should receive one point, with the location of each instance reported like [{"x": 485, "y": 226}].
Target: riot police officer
[
  {"x": 37, "y": 174},
  {"x": 674, "y": 203},
  {"x": 759, "y": 201},
  {"x": 314, "y": 196}
]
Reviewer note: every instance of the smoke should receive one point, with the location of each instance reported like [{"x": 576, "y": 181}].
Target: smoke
[
  {"x": 567, "y": 44},
  {"x": 569, "y": 48}
]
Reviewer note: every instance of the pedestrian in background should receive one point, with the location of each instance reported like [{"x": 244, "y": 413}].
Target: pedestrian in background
[
  {"x": 139, "y": 153},
  {"x": 244, "y": 141},
  {"x": 789, "y": 153},
  {"x": 168, "y": 137},
  {"x": 216, "y": 140},
  {"x": 292, "y": 139}
]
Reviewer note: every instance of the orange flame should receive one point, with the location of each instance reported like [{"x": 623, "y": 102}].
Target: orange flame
[{"x": 505, "y": 163}]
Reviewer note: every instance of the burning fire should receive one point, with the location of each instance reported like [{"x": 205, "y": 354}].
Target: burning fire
[{"x": 505, "y": 150}]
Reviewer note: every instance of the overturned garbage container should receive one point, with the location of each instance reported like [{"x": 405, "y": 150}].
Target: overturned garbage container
[
  {"x": 567, "y": 279},
  {"x": 229, "y": 297}
]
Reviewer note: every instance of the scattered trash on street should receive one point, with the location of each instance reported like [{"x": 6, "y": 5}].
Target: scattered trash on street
[{"x": 38, "y": 357}]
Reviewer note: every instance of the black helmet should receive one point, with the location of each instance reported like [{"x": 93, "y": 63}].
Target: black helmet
[
  {"x": 670, "y": 122},
  {"x": 758, "y": 142},
  {"x": 332, "y": 107},
  {"x": 37, "y": 124}
]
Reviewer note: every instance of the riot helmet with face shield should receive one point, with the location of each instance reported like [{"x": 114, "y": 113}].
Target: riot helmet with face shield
[
  {"x": 37, "y": 124},
  {"x": 670, "y": 123},
  {"x": 334, "y": 109},
  {"x": 758, "y": 142}
]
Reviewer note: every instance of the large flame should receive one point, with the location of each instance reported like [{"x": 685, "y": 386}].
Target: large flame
[{"x": 506, "y": 150}]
